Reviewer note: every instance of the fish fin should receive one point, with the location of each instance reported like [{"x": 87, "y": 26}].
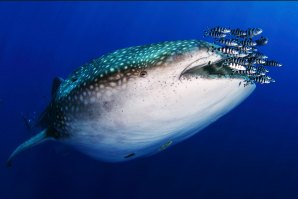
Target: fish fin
[
  {"x": 56, "y": 84},
  {"x": 37, "y": 139},
  {"x": 43, "y": 119}
]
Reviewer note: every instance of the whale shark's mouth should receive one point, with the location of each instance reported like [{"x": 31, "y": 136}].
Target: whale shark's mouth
[{"x": 212, "y": 71}]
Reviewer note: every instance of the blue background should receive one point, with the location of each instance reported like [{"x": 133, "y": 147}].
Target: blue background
[{"x": 252, "y": 152}]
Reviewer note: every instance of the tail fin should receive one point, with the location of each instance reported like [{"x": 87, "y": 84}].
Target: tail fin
[{"x": 37, "y": 139}]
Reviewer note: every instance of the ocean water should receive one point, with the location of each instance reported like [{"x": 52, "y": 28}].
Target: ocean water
[{"x": 252, "y": 152}]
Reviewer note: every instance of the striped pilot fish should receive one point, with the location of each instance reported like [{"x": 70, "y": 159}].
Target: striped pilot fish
[
  {"x": 262, "y": 79},
  {"x": 235, "y": 66},
  {"x": 228, "y": 51},
  {"x": 239, "y": 60},
  {"x": 272, "y": 63},
  {"x": 214, "y": 34},
  {"x": 238, "y": 33},
  {"x": 258, "y": 55},
  {"x": 220, "y": 29},
  {"x": 228, "y": 42},
  {"x": 245, "y": 48},
  {"x": 246, "y": 72},
  {"x": 138, "y": 101},
  {"x": 248, "y": 42},
  {"x": 252, "y": 32}
]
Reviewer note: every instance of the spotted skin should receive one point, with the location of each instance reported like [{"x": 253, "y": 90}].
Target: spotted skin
[{"x": 109, "y": 73}]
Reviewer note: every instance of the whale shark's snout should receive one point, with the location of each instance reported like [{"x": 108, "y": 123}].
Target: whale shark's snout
[{"x": 141, "y": 100}]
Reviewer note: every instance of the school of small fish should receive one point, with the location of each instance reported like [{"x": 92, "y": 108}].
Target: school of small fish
[{"x": 244, "y": 57}]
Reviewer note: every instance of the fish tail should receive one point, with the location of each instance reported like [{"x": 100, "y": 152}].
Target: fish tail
[{"x": 37, "y": 139}]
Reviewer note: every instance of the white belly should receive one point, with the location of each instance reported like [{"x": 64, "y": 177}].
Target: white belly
[{"x": 148, "y": 117}]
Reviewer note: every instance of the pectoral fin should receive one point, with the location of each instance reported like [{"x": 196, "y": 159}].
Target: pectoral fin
[{"x": 37, "y": 139}]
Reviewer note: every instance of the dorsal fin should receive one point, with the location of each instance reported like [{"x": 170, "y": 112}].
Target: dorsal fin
[
  {"x": 44, "y": 116},
  {"x": 56, "y": 84}
]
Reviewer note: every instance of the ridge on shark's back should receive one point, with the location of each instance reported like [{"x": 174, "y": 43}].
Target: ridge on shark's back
[{"x": 140, "y": 100}]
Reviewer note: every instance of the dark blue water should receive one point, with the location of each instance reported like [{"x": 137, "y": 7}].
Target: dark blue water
[{"x": 252, "y": 152}]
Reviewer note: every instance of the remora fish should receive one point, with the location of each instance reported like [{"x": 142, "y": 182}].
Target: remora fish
[{"x": 135, "y": 101}]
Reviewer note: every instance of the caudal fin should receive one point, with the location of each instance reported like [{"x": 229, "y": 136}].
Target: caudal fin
[{"x": 37, "y": 139}]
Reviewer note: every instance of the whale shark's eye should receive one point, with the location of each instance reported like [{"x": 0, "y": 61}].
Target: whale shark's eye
[{"x": 143, "y": 73}]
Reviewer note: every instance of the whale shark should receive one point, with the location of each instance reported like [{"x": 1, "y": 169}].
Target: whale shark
[{"x": 138, "y": 101}]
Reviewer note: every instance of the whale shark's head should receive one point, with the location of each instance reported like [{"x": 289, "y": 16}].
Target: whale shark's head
[
  {"x": 158, "y": 62},
  {"x": 136, "y": 100}
]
